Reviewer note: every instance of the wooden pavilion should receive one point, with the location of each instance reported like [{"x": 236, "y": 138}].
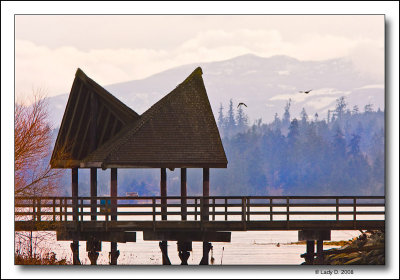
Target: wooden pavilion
[{"x": 99, "y": 131}]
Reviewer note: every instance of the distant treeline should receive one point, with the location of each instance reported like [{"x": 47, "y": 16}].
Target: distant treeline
[{"x": 342, "y": 154}]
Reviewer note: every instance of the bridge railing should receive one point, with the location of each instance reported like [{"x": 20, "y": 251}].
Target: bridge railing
[{"x": 197, "y": 208}]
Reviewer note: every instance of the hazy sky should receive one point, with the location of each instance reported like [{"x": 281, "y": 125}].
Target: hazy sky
[{"x": 111, "y": 49}]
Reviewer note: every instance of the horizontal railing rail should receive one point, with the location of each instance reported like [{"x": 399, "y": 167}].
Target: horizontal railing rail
[{"x": 197, "y": 208}]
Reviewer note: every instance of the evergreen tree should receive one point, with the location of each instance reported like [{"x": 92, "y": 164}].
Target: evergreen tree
[
  {"x": 304, "y": 117},
  {"x": 354, "y": 145},
  {"x": 286, "y": 114},
  {"x": 368, "y": 108},
  {"x": 241, "y": 120},
  {"x": 339, "y": 144},
  {"x": 340, "y": 107},
  {"x": 230, "y": 122},
  {"x": 355, "y": 110}
]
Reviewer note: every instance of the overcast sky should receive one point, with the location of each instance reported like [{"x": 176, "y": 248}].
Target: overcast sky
[{"x": 111, "y": 49}]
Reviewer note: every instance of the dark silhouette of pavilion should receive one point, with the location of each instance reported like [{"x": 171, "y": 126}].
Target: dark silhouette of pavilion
[{"x": 99, "y": 131}]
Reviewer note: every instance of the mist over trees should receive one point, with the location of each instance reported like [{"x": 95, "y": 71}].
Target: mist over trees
[{"x": 341, "y": 153}]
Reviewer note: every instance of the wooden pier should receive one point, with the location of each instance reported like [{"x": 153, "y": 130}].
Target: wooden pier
[
  {"x": 202, "y": 219},
  {"x": 178, "y": 131}
]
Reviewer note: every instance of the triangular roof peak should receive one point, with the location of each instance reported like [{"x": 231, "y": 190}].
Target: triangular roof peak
[
  {"x": 91, "y": 117},
  {"x": 177, "y": 131}
]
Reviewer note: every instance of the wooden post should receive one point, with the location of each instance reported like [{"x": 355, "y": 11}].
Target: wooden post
[
  {"x": 354, "y": 212},
  {"x": 114, "y": 193},
  {"x": 93, "y": 192},
  {"x": 114, "y": 254},
  {"x": 320, "y": 251},
  {"x": 206, "y": 193},
  {"x": 183, "y": 193},
  {"x": 163, "y": 191},
  {"x": 310, "y": 252},
  {"x": 74, "y": 192},
  {"x": 226, "y": 209},
  {"x": 270, "y": 210},
  {"x": 337, "y": 209}
]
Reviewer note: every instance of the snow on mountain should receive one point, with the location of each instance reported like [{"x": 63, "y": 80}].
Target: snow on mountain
[{"x": 264, "y": 84}]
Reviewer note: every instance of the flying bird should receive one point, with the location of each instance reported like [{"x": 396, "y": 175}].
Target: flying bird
[
  {"x": 241, "y": 103},
  {"x": 306, "y": 91}
]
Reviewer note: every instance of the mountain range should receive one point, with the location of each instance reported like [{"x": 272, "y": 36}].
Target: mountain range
[{"x": 265, "y": 85}]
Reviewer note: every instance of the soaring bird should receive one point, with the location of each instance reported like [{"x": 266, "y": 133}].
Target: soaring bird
[
  {"x": 306, "y": 91},
  {"x": 241, "y": 103}
]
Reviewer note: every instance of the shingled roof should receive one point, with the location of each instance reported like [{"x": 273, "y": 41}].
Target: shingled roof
[
  {"x": 92, "y": 117},
  {"x": 178, "y": 131}
]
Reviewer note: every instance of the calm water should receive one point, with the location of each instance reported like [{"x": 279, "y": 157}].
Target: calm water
[{"x": 251, "y": 247}]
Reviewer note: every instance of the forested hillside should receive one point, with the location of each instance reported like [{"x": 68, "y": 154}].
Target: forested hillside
[{"x": 338, "y": 154}]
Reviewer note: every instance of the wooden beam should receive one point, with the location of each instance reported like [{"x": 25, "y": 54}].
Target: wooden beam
[
  {"x": 183, "y": 193},
  {"x": 93, "y": 192},
  {"x": 86, "y": 131},
  {"x": 114, "y": 127},
  {"x": 187, "y": 236},
  {"x": 93, "y": 122},
  {"x": 105, "y": 127},
  {"x": 109, "y": 236},
  {"x": 74, "y": 191},
  {"x": 163, "y": 193},
  {"x": 114, "y": 192},
  {"x": 206, "y": 192},
  {"x": 73, "y": 117},
  {"x": 79, "y": 126}
]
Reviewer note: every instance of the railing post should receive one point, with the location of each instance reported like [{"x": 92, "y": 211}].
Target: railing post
[
  {"x": 213, "y": 209},
  {"x": 195, "y": 209},
  {"x": 60, "y": 206},
  {"x": 154, "y": 212},
  {"x": 226, "y": 209},
  {"x": 270, "y": 210},
  {"x": 287, "y": 208},
  {"x": 337, "y": 209},
  {"x": 248, "y": 209},
  {"x": 354, "y": 211},
  {"x": 54, "y": 209},
  {"x": 82, "y": 210},
  {"x": 39, "y": 202},
  {"x": 244, "y": 212},
  {"x": 75, "y": 200},
  {"x": 65, "y": 209},
  {"x": 33, "y": 209}
]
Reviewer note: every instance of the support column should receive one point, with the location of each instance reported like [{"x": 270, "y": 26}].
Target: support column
[
  {"x": 310, "y": 252},
  {"x": 183, "y": 193},
  {"x": 206, "y": 192},
  {"x": 184, "y": 249},
  {"x": 206, "y": 250},
  {"x": 163, "y": 191},
  {"x": 93, "y": 192},
  {"x": 74, "y": 192},
  {"x": 320, "y": 252},
  {"x": 93, "y": 247},
  {"x": 164, "y": 250},
  {"x": 114, "y": 254}
]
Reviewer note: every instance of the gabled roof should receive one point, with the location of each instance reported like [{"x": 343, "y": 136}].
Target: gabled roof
[
  {"x": 177, "y": 131},
  {"x": 92, "y": 116}
]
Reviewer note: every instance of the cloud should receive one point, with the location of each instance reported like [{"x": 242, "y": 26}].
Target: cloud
[{"x": 53, "y": 68}]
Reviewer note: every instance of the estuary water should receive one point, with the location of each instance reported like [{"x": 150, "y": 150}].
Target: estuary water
[{"x": 245, "y": 248}]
